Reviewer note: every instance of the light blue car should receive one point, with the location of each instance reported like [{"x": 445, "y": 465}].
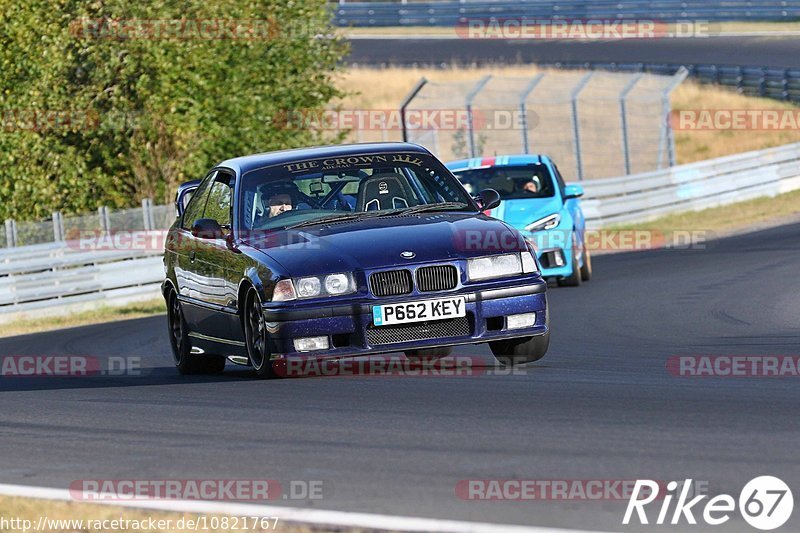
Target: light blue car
[{"x": 538, "y": 203}]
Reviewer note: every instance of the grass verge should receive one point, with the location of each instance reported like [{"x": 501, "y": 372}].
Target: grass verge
[
  {"x": 751, "y": 215},
  {"x": 101, "y": 314}
]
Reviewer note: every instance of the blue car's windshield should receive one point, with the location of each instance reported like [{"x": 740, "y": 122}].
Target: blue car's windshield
[
  {"x": 525, "y": 181},
  {"x": 301, "y": 192}
]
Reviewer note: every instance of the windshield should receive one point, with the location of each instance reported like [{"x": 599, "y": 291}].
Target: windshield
[
  {"x": 528, "y": 181},
  {"x": 353, "y": 187}
]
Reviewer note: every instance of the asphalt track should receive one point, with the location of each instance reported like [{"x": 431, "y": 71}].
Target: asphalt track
[
  {"x": 781, "y": 52},
  {"x": 601, "y": 405}
]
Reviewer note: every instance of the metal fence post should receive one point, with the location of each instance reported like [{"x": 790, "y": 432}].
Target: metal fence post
[
  {"x": 407, "y": 100},
  {"x": 105, "y": 223},
  {"x": 524, "y": 111},
  {"x": 11, "y": 232},
  {"x": 623, "y": 113},
  {"x": 147, "y": 214},
  {"x": 58, "y": 227},
  {"x": 666, "y": 136},
  {"x": 575, "y": 124},
  {"x": 470, "y": 122}
]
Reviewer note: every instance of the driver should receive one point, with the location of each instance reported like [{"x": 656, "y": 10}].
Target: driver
[
  {"x": 277, "y": 197},
  {"x": 530, "y": 186}
]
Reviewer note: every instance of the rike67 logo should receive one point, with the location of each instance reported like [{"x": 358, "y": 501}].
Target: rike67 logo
[{"x": 765, "y": 503}]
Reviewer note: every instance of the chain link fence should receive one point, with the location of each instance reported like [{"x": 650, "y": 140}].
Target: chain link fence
[
  {"x": 594, "y": 124},
  {"x": 59, "y": 228}
]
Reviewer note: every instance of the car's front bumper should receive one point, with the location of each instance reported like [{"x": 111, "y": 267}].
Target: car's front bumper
[{"x": 350, "y": 330}]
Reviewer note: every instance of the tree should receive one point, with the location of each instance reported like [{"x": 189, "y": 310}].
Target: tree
[{"x": 108, "y": 102}]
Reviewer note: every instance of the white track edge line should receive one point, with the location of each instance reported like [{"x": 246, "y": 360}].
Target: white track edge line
[{"x": 315, "y": 517}]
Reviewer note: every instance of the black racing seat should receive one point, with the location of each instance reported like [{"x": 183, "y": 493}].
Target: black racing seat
[{"x": 384, "y": 191}]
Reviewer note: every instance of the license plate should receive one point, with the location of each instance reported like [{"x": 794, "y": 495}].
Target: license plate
[{"x": 439, "y": 309}]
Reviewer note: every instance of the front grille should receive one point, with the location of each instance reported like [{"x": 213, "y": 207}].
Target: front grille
[
  {"x": 437, "y": 278},
  {"x": 390, "y": 283},
  {"x": 440, "y": 329}
]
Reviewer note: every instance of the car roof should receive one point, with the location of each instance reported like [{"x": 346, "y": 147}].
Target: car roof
[
  {"x": 497, "y": 161},
  {"x": 251, "y": 162}
]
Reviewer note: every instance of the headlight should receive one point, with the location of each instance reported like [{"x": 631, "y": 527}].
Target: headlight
[
  {"x": 308, "y": 287},
  {"x": 494, "y": 266},
  {"x": 330, "y": 285},
  {"x": 548, "y": 222}
]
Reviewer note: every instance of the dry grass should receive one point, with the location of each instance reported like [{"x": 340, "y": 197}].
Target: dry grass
[
  {"x": 699, "y": 145},
  {"x": 734, "y": 218},
  {"x": 385, "y": 89},
  {"x": 32, "y": 509},
  {"x": 101, "y": 314}
]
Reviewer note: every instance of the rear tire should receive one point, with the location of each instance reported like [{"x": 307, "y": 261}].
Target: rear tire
[
  {"x": 185, "y": 361},
  {"x": 428, "y": 355},
  {"x": 520, "y": 351},
  {"x": 256, "y": 337},
  {"x": 574, "y": 279}
]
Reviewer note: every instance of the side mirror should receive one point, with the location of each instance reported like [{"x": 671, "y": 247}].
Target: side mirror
[
  {"x": 207, "y": 228},
  {"x": 184, "y": 194},
  {"x": 572, "y": 191},
  {"x": 489, "y": 199}
]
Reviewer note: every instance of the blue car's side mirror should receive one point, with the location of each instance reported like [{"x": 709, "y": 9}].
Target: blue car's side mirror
[{"x": 572, "y": 191}]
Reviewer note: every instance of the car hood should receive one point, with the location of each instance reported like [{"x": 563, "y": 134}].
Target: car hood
[
  {"x": 518, "y": 213},
  {"x": 379, "y": 242}
]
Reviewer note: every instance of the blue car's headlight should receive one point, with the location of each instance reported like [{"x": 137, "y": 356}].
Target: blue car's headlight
[
  {"x": 500, "y": 266},
  {"x": 548, "y": 222},
  {"x": 314, "y": 286}
]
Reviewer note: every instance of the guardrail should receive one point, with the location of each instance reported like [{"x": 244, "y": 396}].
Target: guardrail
[
  {"x": 692, "y": 187},
  {"x": 448, "y": 13},
  {"x": 44, "y": 276},
  {"x": 769, "y": 82}
]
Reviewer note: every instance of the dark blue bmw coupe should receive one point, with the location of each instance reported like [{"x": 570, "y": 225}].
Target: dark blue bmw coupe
[{"x": 343, "y": 251}]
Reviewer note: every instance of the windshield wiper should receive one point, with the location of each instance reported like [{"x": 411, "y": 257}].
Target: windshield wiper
[
  {"x": 328, "y": 219},
  {"x": 442, "y": 206}
]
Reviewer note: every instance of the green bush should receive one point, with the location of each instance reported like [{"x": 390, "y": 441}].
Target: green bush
[{"x": 98, "y": 107}]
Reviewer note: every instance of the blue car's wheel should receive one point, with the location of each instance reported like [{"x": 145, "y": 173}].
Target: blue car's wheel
[
  {"x": 574, "y": 279},
  {"x": 586, "y": 268}
]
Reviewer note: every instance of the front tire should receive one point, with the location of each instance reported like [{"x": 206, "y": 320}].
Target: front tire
[
  {"x": 185, "y": 361},
  {"x": 256, "y": 339},
  {"x": 520, "y": 351},
  {"x": 586, "y": 269},
  {"x": 574, "y": 279}
]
